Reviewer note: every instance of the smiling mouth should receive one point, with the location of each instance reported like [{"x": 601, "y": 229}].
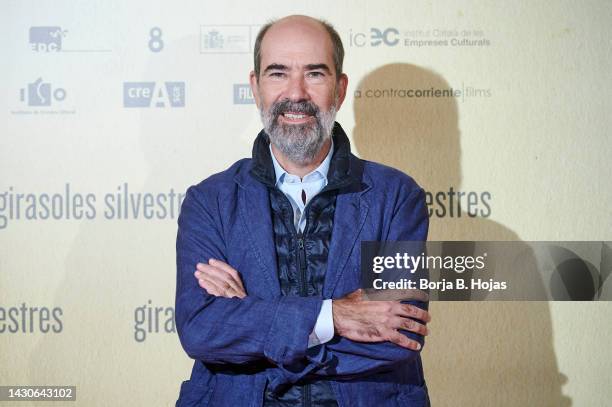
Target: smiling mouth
[{"x": 295, "y": 117}]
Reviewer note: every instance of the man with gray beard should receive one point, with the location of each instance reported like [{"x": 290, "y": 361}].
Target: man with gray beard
[{"x": 267, "y": 298}]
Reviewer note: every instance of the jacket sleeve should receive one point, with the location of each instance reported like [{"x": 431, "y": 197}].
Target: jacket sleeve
[
  {"x": 342, "y": 358},
  {"x": 231, "y": 330}
]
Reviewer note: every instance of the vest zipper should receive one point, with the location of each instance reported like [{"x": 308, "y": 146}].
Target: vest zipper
[
  {"x": 306, "y": 395},
  {"x": 303, "y": 293},
  {"x": 302, "y": 266}
]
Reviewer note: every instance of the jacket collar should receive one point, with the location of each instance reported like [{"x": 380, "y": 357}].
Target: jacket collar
[{"x": 343, "y": 171}]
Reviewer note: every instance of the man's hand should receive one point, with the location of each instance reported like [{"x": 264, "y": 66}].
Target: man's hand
[
  {"x": 219, "y": 279},
  {"x": 377, "y": 321}
]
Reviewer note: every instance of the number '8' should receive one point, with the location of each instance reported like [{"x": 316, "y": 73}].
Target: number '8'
[{"x": 155, "y": 43}]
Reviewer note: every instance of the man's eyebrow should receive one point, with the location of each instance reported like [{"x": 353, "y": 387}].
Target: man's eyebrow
[
  {"x": 276, "y": 67},
  {"x": 308, "y": 67},
  {"x": 312, "y": 67}
]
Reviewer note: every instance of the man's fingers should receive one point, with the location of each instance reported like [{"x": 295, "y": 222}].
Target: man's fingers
[
  {"x": 219, "y": 266},
  {"x": 213, "y": 288},
  {"x": 221, "y": 277},
  {"x": 411, "y": 325},
  {"x": 210, "y": 282},
  {"x": 407, "y": 310},
  {"x": 227, "y": 268},
  {"x": 401, "y": 340},
  {"x": 223, "y": 266},
  {"x": 221, "y": 288},
  {"x": 209, "y": 287}
]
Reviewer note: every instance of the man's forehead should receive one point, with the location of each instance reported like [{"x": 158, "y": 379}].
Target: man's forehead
[
  {"x": 296, "y": 60},
  {"x": 306, "y": 41}
]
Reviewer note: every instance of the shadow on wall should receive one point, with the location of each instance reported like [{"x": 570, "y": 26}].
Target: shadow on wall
[{"x": 479, "y": 353}]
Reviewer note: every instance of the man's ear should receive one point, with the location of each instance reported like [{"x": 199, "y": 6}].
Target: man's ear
[
  {"x": 341, "y": 89},
  {"x": 254, "y": 88}
]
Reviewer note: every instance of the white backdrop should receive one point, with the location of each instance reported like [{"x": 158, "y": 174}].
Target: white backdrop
[{"x": 110, "y": 110}]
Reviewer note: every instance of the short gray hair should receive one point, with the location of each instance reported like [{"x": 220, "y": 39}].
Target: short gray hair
[{"x": 338, "y": 48}]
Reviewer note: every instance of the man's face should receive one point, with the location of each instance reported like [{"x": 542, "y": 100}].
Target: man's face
[{"x": 298, "y": 92}]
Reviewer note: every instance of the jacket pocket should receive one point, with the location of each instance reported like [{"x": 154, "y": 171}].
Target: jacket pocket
[{"x": 194, "y": 394}]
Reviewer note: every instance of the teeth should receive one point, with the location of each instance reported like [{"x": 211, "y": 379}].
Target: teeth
[{"x": 294, "y": 116}]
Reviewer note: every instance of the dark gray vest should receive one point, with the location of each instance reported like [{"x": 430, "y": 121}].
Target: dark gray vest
[{"x": 302, "y": 257}]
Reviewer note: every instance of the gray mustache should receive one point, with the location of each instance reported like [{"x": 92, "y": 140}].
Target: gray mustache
[{"x": 286, "y": 105}]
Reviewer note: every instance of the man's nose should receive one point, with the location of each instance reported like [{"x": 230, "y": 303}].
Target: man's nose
[{"x": 296, "y": 90}]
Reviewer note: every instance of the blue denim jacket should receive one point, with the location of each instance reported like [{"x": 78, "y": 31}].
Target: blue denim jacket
[{"x": 240, "y": 344}]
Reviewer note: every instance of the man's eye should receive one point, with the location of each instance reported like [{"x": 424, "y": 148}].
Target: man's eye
[
  {"x": 277, "y": 74},
  {"x": 315, "y": 74}
]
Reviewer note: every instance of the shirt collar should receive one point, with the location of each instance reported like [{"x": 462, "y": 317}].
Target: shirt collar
[{"x": 322, "y": 169}]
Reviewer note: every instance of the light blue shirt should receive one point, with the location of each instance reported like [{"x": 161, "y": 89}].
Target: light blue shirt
[{"x": 292, "y": 186}]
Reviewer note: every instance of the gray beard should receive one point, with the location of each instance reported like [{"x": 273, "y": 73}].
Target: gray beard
[{"x": 300, "y": 143}]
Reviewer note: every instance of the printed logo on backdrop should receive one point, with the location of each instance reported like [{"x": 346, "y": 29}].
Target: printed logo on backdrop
[
  {"x": 154, "y": 94},
  {"x": 243, "y": 94},
  {"x": 39, "y": 93},
  {"x": 47, "y": 39},
  {"x": 41, "y": 97},
  {"x": 50, "y": 39},
  {"x": 417, "y": 38},
  {"x": 461, "y": 93},
  {"x": 388, "y": 37},
  {"x": 227, "y": 39}
]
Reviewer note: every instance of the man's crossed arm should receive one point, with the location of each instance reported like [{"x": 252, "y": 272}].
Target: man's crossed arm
[
  {"x": 354, "y": 317},
  {"x": 357, "y": 322}
]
